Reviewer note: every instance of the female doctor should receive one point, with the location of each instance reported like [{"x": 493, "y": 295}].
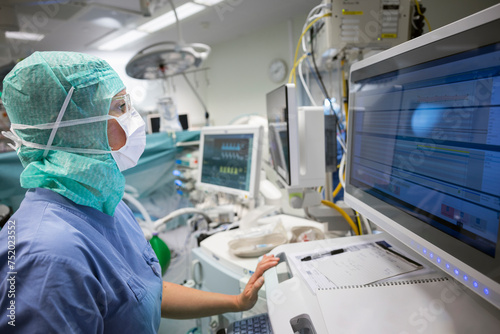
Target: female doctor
[{"x": 73, "y": 258}]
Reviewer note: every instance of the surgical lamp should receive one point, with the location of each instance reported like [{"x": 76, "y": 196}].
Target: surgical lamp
[{"x": 165, "y": 59}]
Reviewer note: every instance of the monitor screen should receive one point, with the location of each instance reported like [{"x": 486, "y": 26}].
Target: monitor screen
[
  {"x": 230, "y": 159},
  {"x": 278, "y": 148},
  {"x": 283, "y": 131},
  {"x": 153, "y": 123},
  {"x": 424, "y": 147},
  {"x": 183, "y": 119}
]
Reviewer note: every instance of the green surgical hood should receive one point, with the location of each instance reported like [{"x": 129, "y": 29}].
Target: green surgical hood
[{"x": 33, "y": 93}]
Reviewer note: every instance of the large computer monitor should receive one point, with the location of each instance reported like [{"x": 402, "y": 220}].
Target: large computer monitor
[
  {"x": 230, "y": 158},
  {"x": 424, "y": 147}
]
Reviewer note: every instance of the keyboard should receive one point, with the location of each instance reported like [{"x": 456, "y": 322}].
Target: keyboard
[{"x": 258, "y": 324}]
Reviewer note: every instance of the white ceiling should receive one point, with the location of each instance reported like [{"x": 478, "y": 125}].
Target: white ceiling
[{"x": 71, "y": 25}]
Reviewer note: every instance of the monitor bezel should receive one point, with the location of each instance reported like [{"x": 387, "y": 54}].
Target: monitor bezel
[
  {"x": 469, "y": 33},
  {"x": 257, "y": 132}
]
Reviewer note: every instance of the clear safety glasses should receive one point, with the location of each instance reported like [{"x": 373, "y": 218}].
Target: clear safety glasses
[{"x": 120, "y": 105}]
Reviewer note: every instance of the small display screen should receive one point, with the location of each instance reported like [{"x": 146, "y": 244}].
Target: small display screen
[{"x": 227, "y": 160}]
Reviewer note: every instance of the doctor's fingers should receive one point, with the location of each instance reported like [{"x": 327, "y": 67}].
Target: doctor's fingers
[{"x": 266, "y": 263}]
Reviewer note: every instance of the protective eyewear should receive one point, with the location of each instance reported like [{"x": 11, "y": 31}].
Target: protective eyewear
[{"x": 120, "y": 105}]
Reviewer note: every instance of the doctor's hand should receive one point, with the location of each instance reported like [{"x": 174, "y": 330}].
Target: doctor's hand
[{"x": 247, "y": 299}]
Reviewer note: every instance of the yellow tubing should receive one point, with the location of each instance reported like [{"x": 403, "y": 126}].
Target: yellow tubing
[
  {"x": 343, "y": 213},
  {"x": 337, "y": 190}
]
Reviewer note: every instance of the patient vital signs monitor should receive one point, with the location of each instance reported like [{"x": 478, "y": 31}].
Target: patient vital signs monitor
[
  {"x": 424, "y": 147},
  {"x": 230, "y": 159}
]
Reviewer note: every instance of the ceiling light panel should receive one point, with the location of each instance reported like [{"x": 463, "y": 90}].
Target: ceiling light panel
[
  {"x": 26, "y": 36},
  {"x": 208, "y": 2}
]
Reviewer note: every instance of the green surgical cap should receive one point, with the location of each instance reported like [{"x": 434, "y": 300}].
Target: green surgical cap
[{"x": 33, "y": 93}]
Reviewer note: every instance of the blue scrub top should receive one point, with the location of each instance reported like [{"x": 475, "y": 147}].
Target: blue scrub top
[{"x": 76, "y": 270}]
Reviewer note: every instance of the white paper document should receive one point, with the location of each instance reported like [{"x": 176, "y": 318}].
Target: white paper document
[
  {"x": 354, "y": 265},
  {"x": 363, "y": 266}
]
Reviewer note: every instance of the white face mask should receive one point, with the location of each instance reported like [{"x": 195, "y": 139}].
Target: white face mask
[
  {"x": 126, "y": 157},
  {"x": 135, "y": 129}
]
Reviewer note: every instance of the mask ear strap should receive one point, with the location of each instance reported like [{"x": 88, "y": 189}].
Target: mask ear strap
[
  {"x": 58, "y": 121},
  {"x": 14, "y": 137}
]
